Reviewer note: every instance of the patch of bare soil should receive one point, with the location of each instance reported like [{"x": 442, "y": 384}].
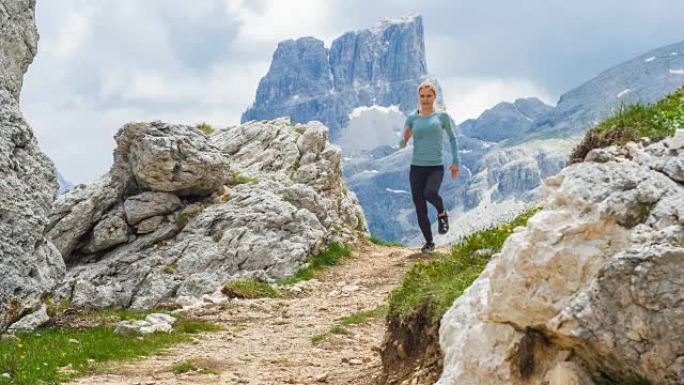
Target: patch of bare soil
[
  {"x": 410, "y": 351},
  {"x": 268, "y": 341}
]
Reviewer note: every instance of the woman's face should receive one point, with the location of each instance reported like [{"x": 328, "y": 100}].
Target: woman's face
[{"x": 426, "y": 97}]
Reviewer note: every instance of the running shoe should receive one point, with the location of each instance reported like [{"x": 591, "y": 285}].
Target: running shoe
[
  {"x": 443, "y": 224},
  {"x": 428, "y": 247}
]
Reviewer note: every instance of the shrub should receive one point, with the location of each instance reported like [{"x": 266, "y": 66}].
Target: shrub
[
  {"x": 204, "y": 127},
  {"x": 249, "y": 288}
]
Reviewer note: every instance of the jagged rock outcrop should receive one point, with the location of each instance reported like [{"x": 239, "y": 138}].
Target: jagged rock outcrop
[
  {"x": 591, "y": 288},
  {"x": 30, "y": 264},
  {"x": 382, "y": 65},
  {"x": 180, "y": 213},
  {"x": 505, "y": 120}
]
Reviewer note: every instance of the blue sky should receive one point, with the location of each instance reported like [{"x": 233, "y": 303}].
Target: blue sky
[{"x": 103, "y": 63}]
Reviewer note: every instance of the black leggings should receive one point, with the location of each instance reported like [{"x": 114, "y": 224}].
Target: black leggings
[{"x": 425, "y": 182}]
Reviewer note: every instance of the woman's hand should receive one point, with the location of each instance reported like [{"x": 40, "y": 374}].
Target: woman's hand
[
  {"x": 454, "y": 171},
  {"x": 405, "y": 139}
]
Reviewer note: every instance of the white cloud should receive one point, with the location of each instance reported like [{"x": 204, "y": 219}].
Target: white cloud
[
  {"x": 372, "y": 126},
  {"x": 101, "y": 64},
  {"x": 276, "y": 20},
  {"x": 114, "y": 62},
  {"x": 468, "y": 97}
]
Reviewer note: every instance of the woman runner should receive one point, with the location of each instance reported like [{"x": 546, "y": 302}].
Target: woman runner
[{"x": 426, "y": 126}]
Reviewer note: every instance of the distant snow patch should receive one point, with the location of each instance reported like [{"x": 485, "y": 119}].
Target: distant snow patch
[
  {"x": 396, "y": 191},
  {"x": 679, "y": 71},
  {"x": 652, "y": 58},
  {"x": 674, "y": 53},
  {"x": 386, "y": 22},
  {"x": 368, "y": 172},
  {"x": 623, "y": 92}
]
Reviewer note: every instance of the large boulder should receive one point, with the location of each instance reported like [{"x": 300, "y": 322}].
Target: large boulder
[
  {"x": 281, "y": 201},
  {"x": 169, "y": 158},
  {"x": 77, "y": 211},
  {"x": 31, "y": 265},
  {"x": 591, "y": 288}
]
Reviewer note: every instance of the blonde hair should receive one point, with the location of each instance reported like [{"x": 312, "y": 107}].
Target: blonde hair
[{"x": 427, "y": 83}]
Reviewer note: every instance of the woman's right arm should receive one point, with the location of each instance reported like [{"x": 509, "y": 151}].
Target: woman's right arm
[
  {"x": 408, "y": 129},
  {"x": 405, "y": 137}
]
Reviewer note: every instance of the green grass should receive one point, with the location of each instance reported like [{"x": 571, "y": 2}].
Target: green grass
[
  {"x": 439, "y": 282},
  {"x": 363, "y": 316},
  {"x": 170, "y": 268},
  {"x": 315, "y": 339},
  {"x": 249, "y": 288},
  {"x": 361, "y": 226},
  {"x": 183, "y": 367},
  {"x": 357, "y": 318},
  {"x": 183, "y": 219},
  {"x": 204, "y": 127},
  {"x": 191, "y": 366},
  {"x": 36, "y": 357},
  {"x": 336, "y": 329},
  {"x": 382, "y": 242},
  {"x": 329, "y": 257},
  {"x": 238, "y": 179},
  {"x": 632, "y": 122},
  {"x": 217, "y": 237}
]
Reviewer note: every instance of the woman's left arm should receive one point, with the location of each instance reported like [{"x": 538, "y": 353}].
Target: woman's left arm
[{"x": 448, "y": 125}]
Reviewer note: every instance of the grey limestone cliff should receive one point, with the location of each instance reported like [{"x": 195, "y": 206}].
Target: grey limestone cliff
[
  {"x": 382, "y": 65},
  {"x": 31, "y": 266},
  {"x": 505, "y": 120}
]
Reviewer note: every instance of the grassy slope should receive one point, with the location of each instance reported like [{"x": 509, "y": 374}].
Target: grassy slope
[
  {"x": 439, "y": 282},
  {"x": 630, "y": 123},
  {"x": 53, "y": 355}
]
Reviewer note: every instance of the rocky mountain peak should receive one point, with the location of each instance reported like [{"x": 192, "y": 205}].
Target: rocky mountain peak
[
  {"x": 382, "y": 65},
  {"x": 505, "y": 120}
]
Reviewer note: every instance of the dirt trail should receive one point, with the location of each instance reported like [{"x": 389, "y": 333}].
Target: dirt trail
[{"x": 268, "y": 341}]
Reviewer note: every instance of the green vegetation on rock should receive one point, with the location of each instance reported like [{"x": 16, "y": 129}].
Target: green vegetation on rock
[
  {"x": 249, "y": 288},
  {"x": 239, "y": 179},
  {"x": 204, "y": 127},
  {"x": 329, "y": 257},
  {"x": 382, "y": 242},
  {"x": 632, "y": 122}
]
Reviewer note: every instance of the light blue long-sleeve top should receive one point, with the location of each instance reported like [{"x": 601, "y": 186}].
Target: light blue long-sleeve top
[{"x": 427, "y": 138}]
